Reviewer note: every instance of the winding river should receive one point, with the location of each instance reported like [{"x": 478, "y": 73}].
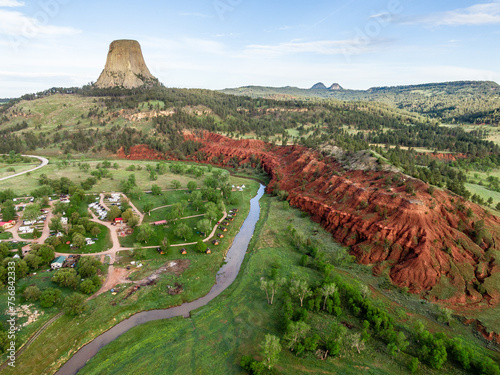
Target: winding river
[{"x": 225, "y": 277}]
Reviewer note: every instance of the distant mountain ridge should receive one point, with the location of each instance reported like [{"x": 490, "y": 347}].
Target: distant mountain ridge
[{"x": 447, "y": 101}]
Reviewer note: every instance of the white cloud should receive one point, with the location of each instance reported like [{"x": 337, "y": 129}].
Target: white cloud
[
  {"x": 195, "y": 14},
  {"x": 11, "y": 3},
  {"x": 475, "y": 15},
  {"x": 321, "y": 47},
  {"x": 15, "y": 23}
]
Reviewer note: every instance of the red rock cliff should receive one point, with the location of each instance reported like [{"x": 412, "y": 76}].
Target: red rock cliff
[{"x": 388, "y": 219}]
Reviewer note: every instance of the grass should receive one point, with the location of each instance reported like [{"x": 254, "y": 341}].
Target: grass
[
  {"x": 215, "y": 337},
  {"x": 61, "y": 339},
  {"x": 162, "y": 231},
  {"x": 103, "y": 243},
  {"x": 5, "y": 169},
  {"x": 24, "y": 185},
  {"x": 5, "y": 236},
  {"x": 484, "y": 193}
]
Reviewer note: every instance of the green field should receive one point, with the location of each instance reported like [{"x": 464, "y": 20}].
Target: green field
[
  {"x": 24, "y": 185},
  {"x": 484, "y": 193},
  {"x": 215, "y": 338}
]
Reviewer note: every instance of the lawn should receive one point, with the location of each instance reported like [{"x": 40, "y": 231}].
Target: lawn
[
  {"x": 64, "y": 336},
  {"x": 103, "y": 243},
  {"x": 215, "y": 337},
  {"x": 5, "y": 236}
]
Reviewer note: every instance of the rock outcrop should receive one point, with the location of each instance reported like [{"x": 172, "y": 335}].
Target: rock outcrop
[
  {"x": 319, "y": 86},
  {"x": 125, "y": 67},
  {"x": 334, "y": 87}
]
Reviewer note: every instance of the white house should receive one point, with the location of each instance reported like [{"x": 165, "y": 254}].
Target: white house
[{"x": 58, "y": 262}]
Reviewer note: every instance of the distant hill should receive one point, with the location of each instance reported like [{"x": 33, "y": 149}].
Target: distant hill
[
  {"x": 462, "y": 101},
  {"x": 319, "y": 86}
]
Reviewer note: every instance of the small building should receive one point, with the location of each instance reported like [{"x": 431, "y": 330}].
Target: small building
[
  {"x": 183, "y": 251},
  {"x": 64, "y": 220},
  {"x": 208, "y": 251},
  {"x": 215, "y": 242},
  {"x": 118, "y": 220},
  {"x": 58, "y": 262},
  {"x": 161, "y": 222},
  {"x": 7, "y": 224},
  {"x": 224, "y": 229},
  {"x": 220, "y": 235}
]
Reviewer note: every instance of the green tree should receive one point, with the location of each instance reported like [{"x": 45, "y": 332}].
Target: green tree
[
  {"x": 78, "y": 240},
  {"x": 31, "y": 212},
  {"x": 95, "y": 231},
  {"x": 204, "y": 226},
  {"x": 127, "y": 214},
  {"x": 413, "y": 365},
  {"x": 144, "y": 232},
  {"x": 66, "y": 277},
  {"x": 201, "y": 246},
  {"x": 155, "y": 190},
  {"x": 192, "y": 185},
  {"x": 489, "y": 201},
  {"x": 271, "y": 349},
  {"x": 270, "y": 287},
  {"x": 296, "y": 331},
  {"x": 44, "y": 251},
  {"x": 183, "y": 231},
  {"x": 211, "y": 215},
  {"x": 87, "y": 287},
  {"x": 8, "y": 211},
  {"x": 113, "y": 213},
  {"x": 74, "y": 304},
  {"x": 327, "y": 290},
  {"x": 49, "y": 297},
  {"x": 148, "y": 206},
  {"x": 300, "y": 289},
  {"x": 56, "y": 225},
  {"x": 175, "y": 184},
  {"x": 87, "y": 267},
  {"x": 33, "y": 261},
  {"x": 197, "y": 204},
  {"x": 136, "y": 193},
  {"x": 32, "y": 293},
  {"x": 133, "y": 221}
]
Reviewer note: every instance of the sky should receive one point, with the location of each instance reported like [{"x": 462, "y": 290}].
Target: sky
[{"x": 218, "y": 44}]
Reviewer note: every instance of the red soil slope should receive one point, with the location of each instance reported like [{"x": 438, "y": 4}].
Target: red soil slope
[{"x": 411, "y": 237}]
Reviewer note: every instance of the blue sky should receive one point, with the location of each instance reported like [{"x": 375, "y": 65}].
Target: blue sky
[{"x": 216, "y": 44}]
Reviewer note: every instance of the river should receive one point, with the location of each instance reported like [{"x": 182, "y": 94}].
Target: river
[{"x": 224, "y": 278}]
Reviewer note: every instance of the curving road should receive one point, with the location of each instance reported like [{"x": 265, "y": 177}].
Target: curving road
[{"x": 42, "y": 159}]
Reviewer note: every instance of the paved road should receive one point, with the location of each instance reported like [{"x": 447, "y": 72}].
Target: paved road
[{"x": 44, "y": 163}]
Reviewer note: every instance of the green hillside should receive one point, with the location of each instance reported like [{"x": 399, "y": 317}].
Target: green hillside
[{"x": 461, "y": 102}]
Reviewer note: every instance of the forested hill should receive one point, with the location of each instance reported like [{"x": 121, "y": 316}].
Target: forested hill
[{"x": 476, "y": 102}]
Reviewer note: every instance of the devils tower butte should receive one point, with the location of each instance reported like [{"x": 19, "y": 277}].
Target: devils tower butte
[{"x": 125, "y": 67}]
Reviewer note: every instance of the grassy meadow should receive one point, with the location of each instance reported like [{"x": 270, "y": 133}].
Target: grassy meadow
[{"x": 215, "y": 337}]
